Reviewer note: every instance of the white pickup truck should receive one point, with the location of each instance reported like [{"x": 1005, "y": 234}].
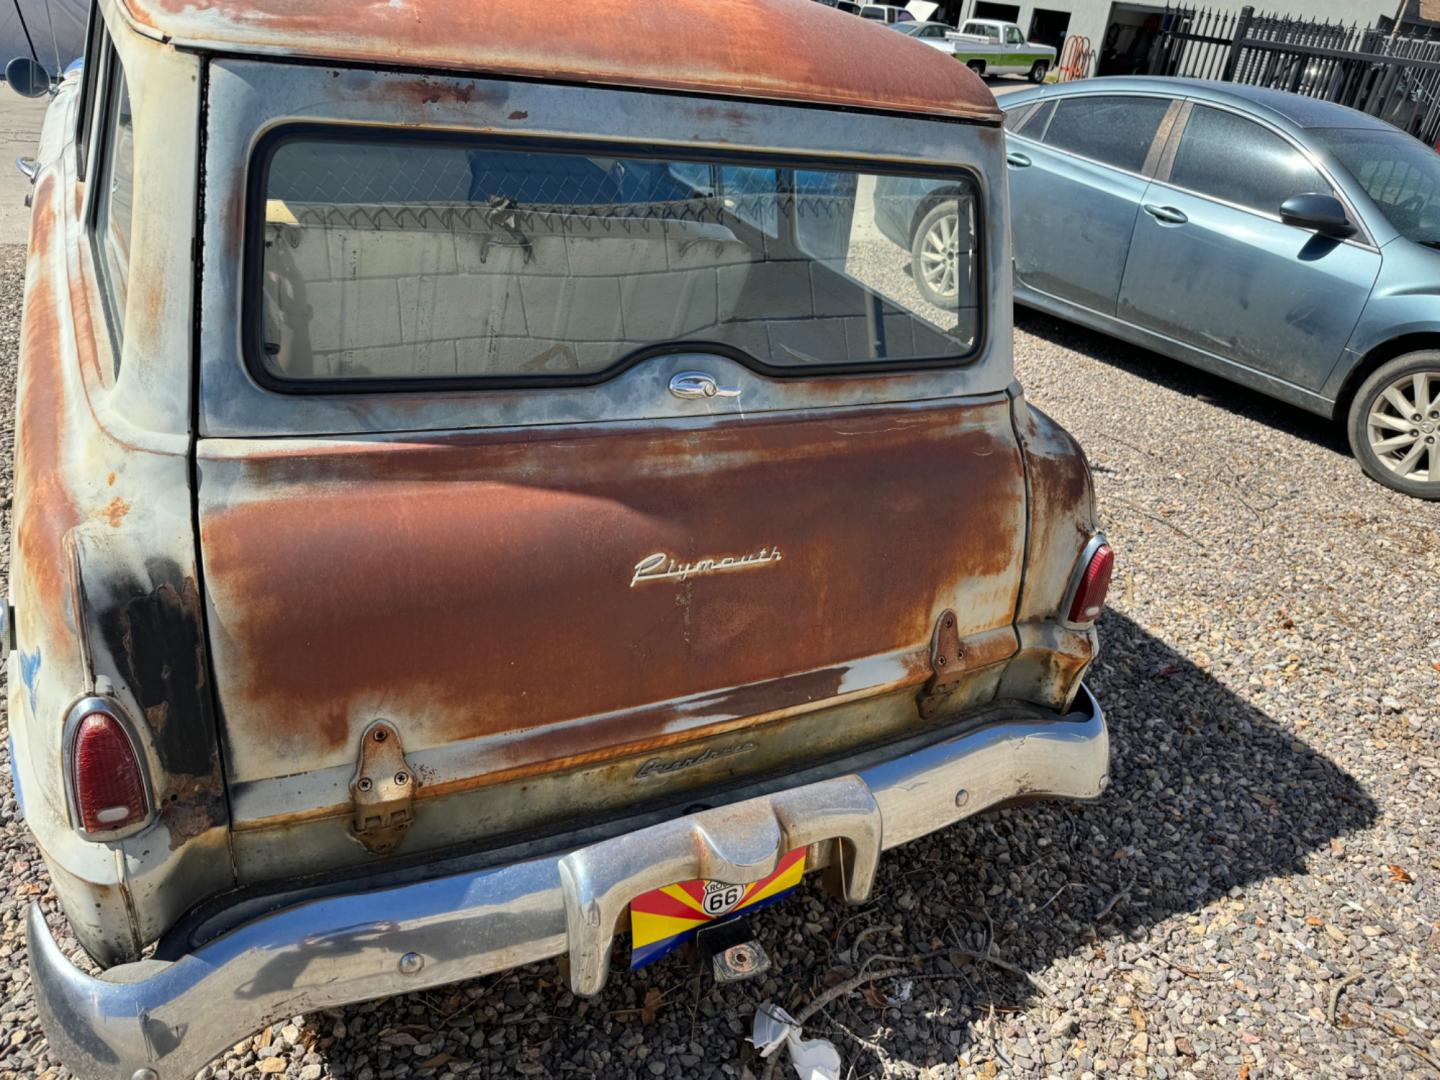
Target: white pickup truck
[{"x": 992, "y": 47}]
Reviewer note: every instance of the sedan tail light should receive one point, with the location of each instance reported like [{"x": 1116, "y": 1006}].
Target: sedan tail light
[
  {"x": 108, "y": 791},
  {"x": 1093, "y": 584}
]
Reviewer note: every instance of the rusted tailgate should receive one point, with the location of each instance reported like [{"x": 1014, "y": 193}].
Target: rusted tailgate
[{"x": 480, "y": 592}]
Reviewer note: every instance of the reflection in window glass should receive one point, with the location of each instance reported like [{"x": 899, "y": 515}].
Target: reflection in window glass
[
  {"x": 114, "y": 208},
  {"x": 1113, "y": 129},
  {"x": 405, "y": 260},
  {"x": 1034, "y": 125},
  {"x": 1228, "y": 157},
  {"x": 1015, "y": 118},
  {"x": 1400, "y": 174}
]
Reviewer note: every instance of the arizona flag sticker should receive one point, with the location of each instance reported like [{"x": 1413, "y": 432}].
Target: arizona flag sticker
[{"x": 661, "y": 920}]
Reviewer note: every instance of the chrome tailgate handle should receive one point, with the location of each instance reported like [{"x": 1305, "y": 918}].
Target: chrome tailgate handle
[
  {"x": 698, "y": 385},
  {"x": 737, "y": 844}
]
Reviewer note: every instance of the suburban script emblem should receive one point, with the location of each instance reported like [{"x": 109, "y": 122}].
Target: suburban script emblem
[
  {"x": 661, "y": 767},
  {"x": 662, "y": 567}
]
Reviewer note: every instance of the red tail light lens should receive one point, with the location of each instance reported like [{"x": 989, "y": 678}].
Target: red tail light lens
[
  {"x": 105, "y": 776},
  {"x": 1094, "y": 584}
]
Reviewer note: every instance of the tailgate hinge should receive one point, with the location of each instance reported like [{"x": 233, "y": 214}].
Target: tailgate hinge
[
  {"x": 947, "y": 662},
  {"x": 382, "y": 790}
]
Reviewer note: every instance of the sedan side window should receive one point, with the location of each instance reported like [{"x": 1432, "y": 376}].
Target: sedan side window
[
  {"x": 1033, "y": 124},
  {"x": 1114, "y": 129},
  {"x": 1228, "y": 157},
  {"x": 1015, "y": 118}
]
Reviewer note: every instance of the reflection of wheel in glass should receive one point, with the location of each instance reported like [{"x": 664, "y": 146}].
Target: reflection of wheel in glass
[
  {"x": 1395, "y": 424},
  {"x": 1038, "y": 71},
  {"x": 935, "y": 255}
]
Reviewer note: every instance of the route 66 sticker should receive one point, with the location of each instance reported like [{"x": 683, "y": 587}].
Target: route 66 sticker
[{"x": 721, "y": 897}]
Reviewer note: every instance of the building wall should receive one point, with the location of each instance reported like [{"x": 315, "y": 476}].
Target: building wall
[{"x": 1091, "y": 18}]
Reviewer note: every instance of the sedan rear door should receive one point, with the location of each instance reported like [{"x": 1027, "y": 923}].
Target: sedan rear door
[{"x": 1078, "y": 172}]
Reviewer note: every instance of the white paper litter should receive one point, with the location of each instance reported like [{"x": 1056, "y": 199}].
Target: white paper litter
[{"x": 813, "y": 1059}]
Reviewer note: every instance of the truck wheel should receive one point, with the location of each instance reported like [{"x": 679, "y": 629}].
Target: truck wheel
[
  {"x": 1039, "y": 71},
  {"x": 935, "y": 256},
  {"x": 1395, "y": 424},
  {"x": 977, "y": 66}
]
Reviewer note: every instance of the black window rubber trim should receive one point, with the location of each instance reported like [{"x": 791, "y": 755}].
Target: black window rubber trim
[{"x": 253, "y": 263}]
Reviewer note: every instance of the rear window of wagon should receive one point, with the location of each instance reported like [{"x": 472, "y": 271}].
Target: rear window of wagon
[{"x": 396, "y": 261}]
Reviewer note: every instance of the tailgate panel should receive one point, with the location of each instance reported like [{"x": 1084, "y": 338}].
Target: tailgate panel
[{"x": 478, "y": 590}]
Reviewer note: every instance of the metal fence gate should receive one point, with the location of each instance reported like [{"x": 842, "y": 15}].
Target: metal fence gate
[{"x": 1393, "y": 77}]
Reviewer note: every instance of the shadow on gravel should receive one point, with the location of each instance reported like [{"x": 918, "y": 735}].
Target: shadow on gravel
[
  {"x": 1184, "y": 379},
  {"x": 1208, "y": 794}
]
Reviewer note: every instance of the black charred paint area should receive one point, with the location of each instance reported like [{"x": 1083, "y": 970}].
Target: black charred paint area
[{"x": 155, "y": 634}]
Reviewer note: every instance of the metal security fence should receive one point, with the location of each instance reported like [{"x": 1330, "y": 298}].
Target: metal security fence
[{"x": 1396, "y": 78}]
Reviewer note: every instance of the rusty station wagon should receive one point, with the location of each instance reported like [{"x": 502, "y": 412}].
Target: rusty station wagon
[{"x": 480, "y": 480}]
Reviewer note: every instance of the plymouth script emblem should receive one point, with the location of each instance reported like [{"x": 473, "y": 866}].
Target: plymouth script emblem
[{"x": 662, "y": 567}]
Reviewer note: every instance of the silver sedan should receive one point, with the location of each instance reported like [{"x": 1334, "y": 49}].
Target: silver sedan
[{"x": 1286, "y": 243}]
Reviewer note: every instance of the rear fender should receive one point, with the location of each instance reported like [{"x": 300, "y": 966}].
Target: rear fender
[
  {"x": 103, "y": 579},
  {"x": 1061, "y": 505}
]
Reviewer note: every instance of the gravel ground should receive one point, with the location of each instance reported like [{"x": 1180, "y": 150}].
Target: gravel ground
[{"x": 1258, "y": 894}]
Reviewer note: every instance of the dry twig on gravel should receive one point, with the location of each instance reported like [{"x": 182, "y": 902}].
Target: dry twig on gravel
[{"x": 1349, "y": 980}]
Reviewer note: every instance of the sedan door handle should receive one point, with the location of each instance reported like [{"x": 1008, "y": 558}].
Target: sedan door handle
[
  {"x": 1020, "y": 161},
  {"x": 1166, "y": 215}
]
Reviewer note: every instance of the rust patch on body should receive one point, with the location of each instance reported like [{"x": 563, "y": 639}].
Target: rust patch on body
[
  {"x": 192, "y": 807},
  {"x": 688, "y": 45},
  {"x": 1062, "y": 512},
  {"x": 45, "y": 509},
  {"x": 115, "y": 511},
  {"x": 481, "y": 584}
]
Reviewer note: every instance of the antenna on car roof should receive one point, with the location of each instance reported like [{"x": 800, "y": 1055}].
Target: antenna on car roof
[
  {"x": 28, "y": 39},
  {"x": 54, "y": 41}
]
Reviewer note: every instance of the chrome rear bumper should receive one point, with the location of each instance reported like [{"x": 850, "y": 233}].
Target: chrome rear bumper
[{"x": 164, "y": 1021}]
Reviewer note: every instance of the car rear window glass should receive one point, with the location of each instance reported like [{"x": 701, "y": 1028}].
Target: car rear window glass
[
  {"x": 402, "y": 260},
  {"x": 1032, "y": 124},
  {"x": 1114, "y": 129},
  {"x": 1226, "y": 156},
  {"x": 114, "y": 205},
  {"x": 1015, "y": 118}
]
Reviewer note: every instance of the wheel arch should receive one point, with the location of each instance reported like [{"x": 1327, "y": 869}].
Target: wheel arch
[
  {"x": 932, "y": 199},
  {"x": 1384, "y": 352}
]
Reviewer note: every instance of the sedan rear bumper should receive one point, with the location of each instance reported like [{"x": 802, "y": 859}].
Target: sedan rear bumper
[{"x": 164, "y": 1020}]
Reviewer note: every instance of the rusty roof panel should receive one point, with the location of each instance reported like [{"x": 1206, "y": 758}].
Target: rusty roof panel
[{"x": 790, "y": 50}]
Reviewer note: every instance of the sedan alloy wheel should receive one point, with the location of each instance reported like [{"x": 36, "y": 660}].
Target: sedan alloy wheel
[
  {"x": 1404, "y": 426},
  {"x": 935, "y": 256},
  {"x": 1395, "y": 424}
]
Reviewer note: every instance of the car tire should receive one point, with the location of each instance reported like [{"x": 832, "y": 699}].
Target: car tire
[
  {"x": 1039, "y": 71},
  {"x": 1391, "y": 445},
  {"x": 977, "y": 66},
  {"x": 931, "y": 248}
]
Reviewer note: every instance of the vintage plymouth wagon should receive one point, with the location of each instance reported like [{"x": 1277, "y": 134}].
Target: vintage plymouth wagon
[{"x": 475, "y": 471}]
